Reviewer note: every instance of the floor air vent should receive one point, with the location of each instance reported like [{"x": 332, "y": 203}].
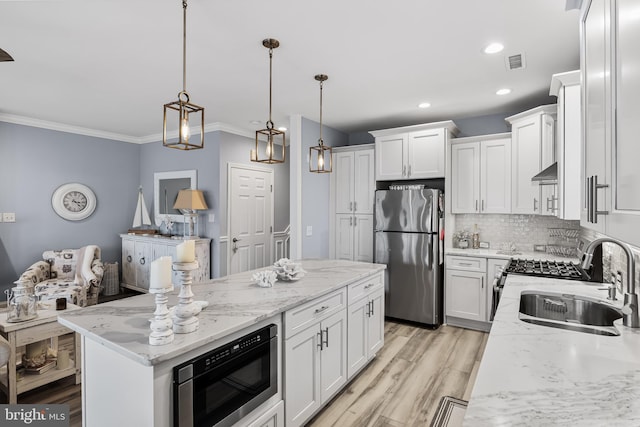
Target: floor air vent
[{"x": 515, "y": 62}]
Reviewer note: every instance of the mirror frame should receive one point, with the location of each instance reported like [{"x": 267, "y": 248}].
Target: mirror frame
[{"x": 160, "y": 176}]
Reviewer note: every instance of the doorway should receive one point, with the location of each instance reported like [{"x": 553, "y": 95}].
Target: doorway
[{"x": 250, "y": 217}]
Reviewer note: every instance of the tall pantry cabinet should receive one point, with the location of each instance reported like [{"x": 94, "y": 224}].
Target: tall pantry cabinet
[
  {"x": 351, "y": 206},
  {"x": 610, "y": 63}
]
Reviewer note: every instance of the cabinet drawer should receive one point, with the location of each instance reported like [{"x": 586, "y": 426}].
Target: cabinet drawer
[
  {"x": 364, "y": 287},
  {"x": 466, "y": 263},
  {"x": 299, "y": 318}
]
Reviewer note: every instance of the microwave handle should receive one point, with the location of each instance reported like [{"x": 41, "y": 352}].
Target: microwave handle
[{"x": 185, "y": 404}]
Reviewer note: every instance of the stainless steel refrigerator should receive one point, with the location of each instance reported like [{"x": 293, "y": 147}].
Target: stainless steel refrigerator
[{"x": 408, "y": 227}]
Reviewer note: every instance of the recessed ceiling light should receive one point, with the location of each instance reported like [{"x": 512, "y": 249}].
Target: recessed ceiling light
[
  {"x": 504, "y": 91},
  {"x": 282, "y": 129},
  {"x": 493, "y": 48},
  {"x": 424, "y": 105},
  {"x": 255, "y": 122}
]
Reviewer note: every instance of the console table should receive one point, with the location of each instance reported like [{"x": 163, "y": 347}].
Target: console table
[
  {"x": 43, "y": 327},
  {"x": 138, "y": 251}
]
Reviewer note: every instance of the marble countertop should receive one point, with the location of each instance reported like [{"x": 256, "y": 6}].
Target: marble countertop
[
  {"x": 235, "y": 303},
  {"x": 532, "y": 375},
  {"x": 495, "y": 253}
]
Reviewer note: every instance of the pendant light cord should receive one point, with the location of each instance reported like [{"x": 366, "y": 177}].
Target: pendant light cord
[
  {"x": 270, "y": 122},
  {"x": 321, "y": 142},
  {"x": 184, "y": 46}
]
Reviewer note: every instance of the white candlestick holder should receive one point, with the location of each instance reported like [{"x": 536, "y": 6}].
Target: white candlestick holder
[
  {"x": 161, "y": 324},
  {"x": 184, "y": 314}
]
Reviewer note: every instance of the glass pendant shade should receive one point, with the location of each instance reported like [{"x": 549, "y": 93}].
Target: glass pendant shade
[
  {"x": 320, "y": 156},
  {"x": 188, "y": 117},
  {"x": 270, "y": 142}
]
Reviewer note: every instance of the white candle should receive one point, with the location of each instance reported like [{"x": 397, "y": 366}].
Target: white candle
[
  {"x": 186, "y": 251},
  {"x": 161, "y": 273}
]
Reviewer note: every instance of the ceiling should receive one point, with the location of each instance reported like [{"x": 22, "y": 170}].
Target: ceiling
[{"x": 110, "y": 65}]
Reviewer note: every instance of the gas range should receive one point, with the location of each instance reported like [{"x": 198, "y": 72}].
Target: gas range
[{"x": 540, "y": 268}]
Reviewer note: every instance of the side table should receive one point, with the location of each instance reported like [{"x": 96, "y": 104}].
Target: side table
[{"x": 43, "y": 327}]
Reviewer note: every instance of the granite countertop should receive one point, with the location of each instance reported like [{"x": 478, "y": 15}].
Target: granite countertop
[
  {"x": 495, "y": 253},
  {"x": 235, "y": 303},
  {"x": 532, "y": 375}
]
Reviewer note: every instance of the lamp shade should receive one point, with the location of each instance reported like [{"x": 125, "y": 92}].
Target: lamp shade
[{"x": 191, "y": 200}]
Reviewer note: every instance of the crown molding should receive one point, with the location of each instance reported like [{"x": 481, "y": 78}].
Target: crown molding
[{"x": 62, "y": 127}]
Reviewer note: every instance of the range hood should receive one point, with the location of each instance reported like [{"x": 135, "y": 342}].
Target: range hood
[{"x": 548, "y": 175}]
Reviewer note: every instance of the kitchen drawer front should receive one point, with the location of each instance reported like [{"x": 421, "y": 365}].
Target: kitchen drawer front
[
  {"x": 299, "y": 318},
  {"x": 364, "y": 287},
  {"x": 466, "y": 263}
]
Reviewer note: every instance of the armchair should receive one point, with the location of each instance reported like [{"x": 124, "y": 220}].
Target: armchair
[{"x": 74, "y": 274}]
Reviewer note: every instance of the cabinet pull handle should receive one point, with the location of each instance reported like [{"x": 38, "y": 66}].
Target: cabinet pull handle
[
  {"x": 355, "y": 221},
  {"x": 369, "y": 309},
  {"x": 589, "y": 203},
  {"x": 142, "y": 261},
  {"x": 468, "y": 264},
  {"x": 482, "y": 282},
  {"x": 321, "y": 309},
  {"x": 350, "y": 221},
  {"x": 535, "y": 204},
  {"x": 369, "y": 285},
  {"x": 355, "y": 206},
  {"x": 550, "y": 200},
  {"x": 596, "y": 187},
  {"x": 320, "y": 340},
  {"x": 409, "y": 174},
  {"x": 482, "y": 206},
  {"x": 404, "y": 170},
  {"x": 350, "y": 206},
  {"x": 326, "y": 334},
  {"x": 371, "y": 303},
  {"x": 129, "y": 259}
]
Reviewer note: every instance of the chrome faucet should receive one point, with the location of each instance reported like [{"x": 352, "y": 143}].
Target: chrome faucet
[{"x": 630, "y": 307}]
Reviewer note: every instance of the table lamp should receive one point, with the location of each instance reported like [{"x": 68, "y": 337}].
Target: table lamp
[{"x": 188, "y": 202}]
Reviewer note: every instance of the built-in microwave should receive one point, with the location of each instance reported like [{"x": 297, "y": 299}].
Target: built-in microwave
[{"x": 221, "y": 386}]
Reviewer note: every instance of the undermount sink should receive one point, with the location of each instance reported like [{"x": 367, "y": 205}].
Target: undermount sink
[{"x": 571, "y": 312}]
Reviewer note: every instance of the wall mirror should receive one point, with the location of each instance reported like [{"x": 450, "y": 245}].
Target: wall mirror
[{"x": 166, "y": 188}]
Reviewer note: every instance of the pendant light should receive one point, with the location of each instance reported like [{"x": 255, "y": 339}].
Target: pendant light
[
  {"x": 320, "y": 156},
  {"x": 267, "y": 139},
  {"x": 186, "y": 110}
]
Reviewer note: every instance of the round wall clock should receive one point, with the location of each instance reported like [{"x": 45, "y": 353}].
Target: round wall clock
[{"x": 73, "y": 201}]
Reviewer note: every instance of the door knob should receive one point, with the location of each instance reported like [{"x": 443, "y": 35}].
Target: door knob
[{"x": 235, "y": 241}]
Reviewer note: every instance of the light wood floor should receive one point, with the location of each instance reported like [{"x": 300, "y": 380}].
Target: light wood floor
[{"x": 402, "y": 386}]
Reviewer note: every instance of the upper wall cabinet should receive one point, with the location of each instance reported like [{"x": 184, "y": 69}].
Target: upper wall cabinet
[
  {"x": 610, "y": 63},
  {"x": 481, "y": 174},
  {"x": 566, "y": 86},
  {"x": 532, "y": 150},
  {"x": 412, "y": 152}
]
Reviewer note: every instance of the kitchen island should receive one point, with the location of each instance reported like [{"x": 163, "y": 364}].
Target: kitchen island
[
  {"x": 117, "y": 360},
  {"x": 533, "y": 375}
]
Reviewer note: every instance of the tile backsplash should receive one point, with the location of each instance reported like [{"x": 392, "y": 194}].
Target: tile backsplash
[{"x": 523, "y": 230}]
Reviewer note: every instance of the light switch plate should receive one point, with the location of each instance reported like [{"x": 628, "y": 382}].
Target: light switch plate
[
  {"x": 212, "y": 217},
  {"x": 9, "y": 217},
  {"x": 484, "y": 245},
  {"x": 309, "y": 230}
]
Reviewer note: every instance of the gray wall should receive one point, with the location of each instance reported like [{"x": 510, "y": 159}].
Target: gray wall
[
  {"x": 37, "y": 161},
  {"x": 315, "y": 191}
]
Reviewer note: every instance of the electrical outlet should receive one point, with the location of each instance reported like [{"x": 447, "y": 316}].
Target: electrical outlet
[
  {"x": 9, "y": 217},
  {"x": 309, "y": 230},
  {"x": 212, "y": 217}
]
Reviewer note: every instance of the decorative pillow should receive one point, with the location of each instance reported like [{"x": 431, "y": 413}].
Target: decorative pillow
[{"x": 62, "y": 263}]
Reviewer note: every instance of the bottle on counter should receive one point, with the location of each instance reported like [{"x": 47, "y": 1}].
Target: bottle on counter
[{"x": 475, "y": 239}]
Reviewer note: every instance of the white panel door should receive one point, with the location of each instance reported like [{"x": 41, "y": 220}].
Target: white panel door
[
  {"x": 525, "y": 152},
  {"x": 344, "y": 237},
  {"x": 465, "y": 189},
  {"x": 333, "y": 355},
  {"x": 596, "y": 117},
  {"x": 426, "y": 154},
  {"x": 548, "y": 156},
  {"x": 357, "y": 322},
  {"x": 390, "y": 159},
  {"x": 344, "y": 178},
  {"x": 302, "y": 375},
  {"x": 363, "y": 238},
  {"x": 495, "y": 176},
  {"x": 364, "y": 182},
  {"x": 465, "y": 295},
  {"x": 250, "y": 218}
]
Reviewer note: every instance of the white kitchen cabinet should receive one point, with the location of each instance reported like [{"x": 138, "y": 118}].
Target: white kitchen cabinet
[
  {"x": 532, "y": 150},
  {"x": 273, "y": 417},
  {"x": 315, "y": 357},
  {"x": 481, "y": 174},
  {"x": 351, "y": 208},
  {"x": 139, "y": 251},
  {"x": 365, "y": 322},
  {"x": 566, "y": 86},
  {"x": 466, "y": 294},
  {"x": 412, "y": 152}
]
